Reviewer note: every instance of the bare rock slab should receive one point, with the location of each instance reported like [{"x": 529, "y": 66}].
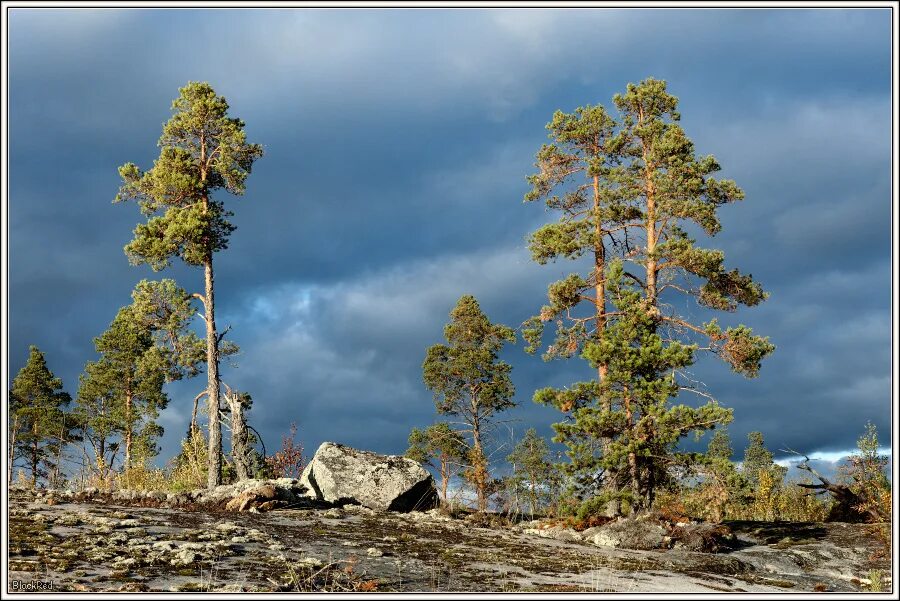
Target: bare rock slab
[{"x": 343, "y": 475}]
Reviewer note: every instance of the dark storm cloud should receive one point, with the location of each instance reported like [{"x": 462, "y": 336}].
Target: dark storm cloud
[{"x": 396, "y": 148}]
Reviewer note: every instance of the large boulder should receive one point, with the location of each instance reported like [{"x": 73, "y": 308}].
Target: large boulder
[{"x": 342, "y": 475}]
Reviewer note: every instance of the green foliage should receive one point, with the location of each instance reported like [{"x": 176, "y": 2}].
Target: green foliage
[
  {"x": 202, "y": 150},
  {"x": 533, "y": 471},
  {"x": 757, "y": 459},
  {"x": 867, "y": 468},
  {"x": 469, "y": 381},
  {"x": 438, "y": 442},
  {"x": 715, "y": 489},
  {"x": 188, "y": 470},
  {"x": 38, "y": 419},
  {"x": 441, "y": 447},
  {"x": 721, "y": 486},
  {"x": 627, "y": 188},
  {"x": 719, "y": 447},
  {"x": 571, "y": 179},
  {"x": 165, "y": 310},
  {"x": 122, "y": 392},
  {"x": 866, "y": 474},
  {"x": 637, "y": 415}
]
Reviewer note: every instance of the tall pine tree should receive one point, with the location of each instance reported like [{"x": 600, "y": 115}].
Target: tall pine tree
[
  {"x": 572, "y": 180},
  {"x": 202, "y": 150}
]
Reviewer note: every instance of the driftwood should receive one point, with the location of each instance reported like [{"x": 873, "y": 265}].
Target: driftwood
[{"x": 848, "y": 505}]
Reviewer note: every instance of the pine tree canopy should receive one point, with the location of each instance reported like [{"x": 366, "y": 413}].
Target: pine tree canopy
[
  {"x": 202, "y": 150},
  {"x": 466, "y": 376}
]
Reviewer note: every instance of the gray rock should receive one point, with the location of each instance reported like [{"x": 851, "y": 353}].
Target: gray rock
[
  {"x": 704, "y": 538},
  {"x": 342, "y": 475},
  {"x": 556, "y": 533},
  {"x": 632, "y": 533}
]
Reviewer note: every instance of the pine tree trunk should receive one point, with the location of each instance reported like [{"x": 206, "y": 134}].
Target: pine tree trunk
[
  {"x": 533, "y": 496},
  {"x": 57, "y": 469},
  {"x": 633, "y": 472},
  {"x": 101, "y": 460},
  {"x": 652, "y": 234},
  {"x": 214, "y": 466},
  {"x": 652, "y": 292},
  {"x": 58, "y": 465},
  {"x": 12, "y": 450},
  {"x": 614, "y": 507},
  {"x": 445, "y": 478},
  {"x": 34, "y": 455},
  {"x": 478, "y": 468},
  {"x": 128, "y": 430}
]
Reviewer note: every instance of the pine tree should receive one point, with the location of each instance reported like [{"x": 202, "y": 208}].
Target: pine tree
[
  {"x": 469, "y": 381},
  {"x": 867, "y": 468},
  {"x": 719, "y": 447},
  {"x": 16, "y": 428},
  {"x": 441, "y": 447},
  {"x": 202, "y": 150},
  {"x": 122, "y": 392},
  {"x": 164, "y": 310},
  {"x": 38, "y": 412},
  {"x": 866, "y": 472},
  {"x": 532, "y": 467},
  {"x": 650, "y": 188},
  {"x": 722, "y": 482},
  {"x": 572, "y": 180},
  {"x": 757, "y": 458}
]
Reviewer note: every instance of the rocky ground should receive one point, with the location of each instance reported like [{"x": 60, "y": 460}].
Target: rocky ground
[{"x": 117, "y": 546}]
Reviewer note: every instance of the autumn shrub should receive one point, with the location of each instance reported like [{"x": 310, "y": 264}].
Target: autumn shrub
[{"x": 287, "y": 462}]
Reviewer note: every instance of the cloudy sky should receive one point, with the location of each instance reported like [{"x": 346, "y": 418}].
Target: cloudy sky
[{"x": 397, "y": 145}]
